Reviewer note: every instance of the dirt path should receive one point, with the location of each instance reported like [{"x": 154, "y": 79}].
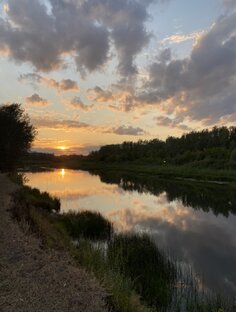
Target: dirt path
[{"x": 35, "y": 280}]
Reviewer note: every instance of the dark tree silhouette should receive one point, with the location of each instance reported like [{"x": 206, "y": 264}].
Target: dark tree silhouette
[{"x": 16, "y": 135}]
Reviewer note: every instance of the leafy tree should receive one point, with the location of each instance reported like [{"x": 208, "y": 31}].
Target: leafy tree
[
  {"x": 207, "y": 148},
  {"x": 16, "y": 135}
]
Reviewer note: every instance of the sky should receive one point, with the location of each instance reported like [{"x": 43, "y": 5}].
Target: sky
[{"x": 96, "y": 72}]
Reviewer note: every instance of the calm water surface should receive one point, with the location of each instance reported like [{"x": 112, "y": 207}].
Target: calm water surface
[{"x": 195, "y": 223}]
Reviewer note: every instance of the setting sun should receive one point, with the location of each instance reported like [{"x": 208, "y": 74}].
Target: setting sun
[{"x": 62, "y": 148}]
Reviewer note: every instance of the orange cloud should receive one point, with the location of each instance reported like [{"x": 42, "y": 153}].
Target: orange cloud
[{"x": 35, "y": 99}]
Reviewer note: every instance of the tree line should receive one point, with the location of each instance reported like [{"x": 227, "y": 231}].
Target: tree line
[
  {"x": 215, "y": 148},
  {"x": 207, "y": 148}
]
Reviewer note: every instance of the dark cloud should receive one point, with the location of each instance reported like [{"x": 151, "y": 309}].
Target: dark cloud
[
  {"x": 128, "y": 130},
  {"x": 76, "y": 102},
  {"x": 229, "y": 3},
  {"x": 68, "y": 85},
  {"x": 202, "y": 86},
  {"x": 35, "y": 99},
  {"x": 126, "y": 20},
  {"x": 63, "y": 85},
  {"x": 33, "y": 35},
  {"x": 55, "y": 123},
  {"x": 165, "y": 121},
  {"x": 30, "y": 77},
  {"x": 100, "y": 95},
  {"x": 84, "y": 29}
]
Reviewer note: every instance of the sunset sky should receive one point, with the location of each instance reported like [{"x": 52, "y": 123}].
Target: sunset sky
[{"x": 95, "y": 72}]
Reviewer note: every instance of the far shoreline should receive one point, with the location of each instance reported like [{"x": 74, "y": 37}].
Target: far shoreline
[{"x": 179, "y": 173}]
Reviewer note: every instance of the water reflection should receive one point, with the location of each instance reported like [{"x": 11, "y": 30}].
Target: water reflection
[
  {"x": 220, "y": 199},
  {"x": 62, "y": 173},
  {"x": 194, "y": 222}
]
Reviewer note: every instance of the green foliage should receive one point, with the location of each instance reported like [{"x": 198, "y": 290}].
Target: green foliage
[
  {"x": 233, "y": 155},
  {"x": 16, "y": 135},
  {"x": 137, "y": 257},
  {"x": 86, "y": 224},
  {"x": 210, "y": 148},
  {"x": 41, "y": 200}
]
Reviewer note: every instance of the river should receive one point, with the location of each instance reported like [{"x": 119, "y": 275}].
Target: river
[{"x": 194, "y": 222}]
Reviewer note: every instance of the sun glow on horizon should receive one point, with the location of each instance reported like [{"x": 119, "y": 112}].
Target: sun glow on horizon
[{"x": 62, "y": 148}]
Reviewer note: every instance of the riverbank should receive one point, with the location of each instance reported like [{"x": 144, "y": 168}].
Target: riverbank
[
  {"x": 37, "y": 213},
  {"x": 33, "y": 278},
  {"x": 166, "y": 171}
]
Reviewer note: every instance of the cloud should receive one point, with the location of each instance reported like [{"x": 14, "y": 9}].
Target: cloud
[
  {"x": 30, "y": 77},
  {"x": 178, "y": 38},
  {"x": 229, "y": 3},
  {"x": 127, "y": 130},
  {"x": 6, "y": 8},
  {"x": 77, "y": 103},
  {"x": 126, "y": 19},
  {"x": 201, "y": 87},
  {"x": 33, "y": 35},
  {"x": 35, "y": 99},
  {"x": 55, "y": 123},
  {"x": 100, "y": 95},
  {"x": 84, "y": 30},
  {"x": 59, "y": 124},
  {"x": 165, "y": 121},
  {"x": 63, "y": 85}
]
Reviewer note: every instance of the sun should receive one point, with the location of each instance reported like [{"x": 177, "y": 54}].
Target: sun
[{"x": 62, "y": 148}]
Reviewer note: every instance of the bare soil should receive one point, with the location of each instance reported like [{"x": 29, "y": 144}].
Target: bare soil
[{"x": 33, "y": 279}]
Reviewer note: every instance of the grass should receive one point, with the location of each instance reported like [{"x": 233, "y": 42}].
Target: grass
[
  {"x": 138, "y": 257},
  {"x": 41, "y": 200},
  {"x": 87, "y": 224}
]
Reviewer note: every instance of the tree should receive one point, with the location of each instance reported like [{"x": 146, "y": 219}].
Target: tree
[{"x": 16, "y": 135}]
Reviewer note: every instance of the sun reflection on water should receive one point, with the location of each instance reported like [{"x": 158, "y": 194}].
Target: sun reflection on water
[{"x": 62, "y": 173}]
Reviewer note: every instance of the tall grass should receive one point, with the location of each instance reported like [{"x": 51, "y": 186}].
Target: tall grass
[
  {"x": 41, "y": 200},
  {"x": 138, "y": 257},
  {"x": 87, "y": 224}
]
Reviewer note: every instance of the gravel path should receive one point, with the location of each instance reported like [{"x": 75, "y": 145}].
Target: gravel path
[{"x": 35, "y": 280}]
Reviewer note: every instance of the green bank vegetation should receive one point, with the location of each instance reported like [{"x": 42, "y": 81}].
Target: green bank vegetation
[
  {"x": 215, "y": 148},
  {"x": 207, "y": 155},
  {"x": 87, "y": 224},
  {"x": 136, "y": 275}
]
